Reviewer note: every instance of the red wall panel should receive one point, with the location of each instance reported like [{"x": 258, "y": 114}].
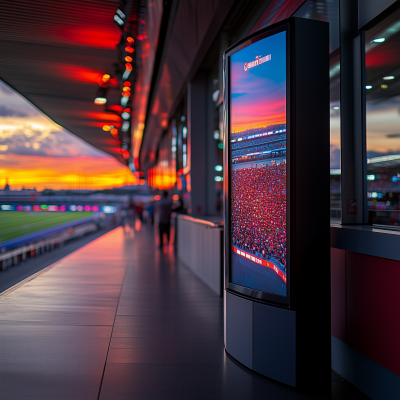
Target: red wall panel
[
  {"x": 373, "y": 308},
  {"x": 338, "y": 294}
]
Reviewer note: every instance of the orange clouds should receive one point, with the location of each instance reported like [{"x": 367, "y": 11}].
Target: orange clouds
[{"x": 63, "y": 172}]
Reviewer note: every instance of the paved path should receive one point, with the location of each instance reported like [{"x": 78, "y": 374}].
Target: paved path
[{"x": 120, "y": 319}]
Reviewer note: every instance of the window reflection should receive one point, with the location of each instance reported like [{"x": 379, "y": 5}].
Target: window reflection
[
  {"x": 328, "y": 11},
  {"x": 382, "y": 58}
]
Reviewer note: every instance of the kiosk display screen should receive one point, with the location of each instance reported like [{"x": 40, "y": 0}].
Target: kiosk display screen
[{"x": 258, "y": 165}]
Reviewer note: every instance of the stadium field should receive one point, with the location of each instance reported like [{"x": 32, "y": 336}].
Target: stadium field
[{"x": 18, "y": 223}]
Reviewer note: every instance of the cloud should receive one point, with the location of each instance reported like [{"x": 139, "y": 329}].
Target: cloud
[
  {"x": 5, "y": 89},
  {"x": 26, "y": 140},
  {"x": 10, "y": 112},
  {"x": 26, "y": 131},
  {"x": 335, "y": 157}
]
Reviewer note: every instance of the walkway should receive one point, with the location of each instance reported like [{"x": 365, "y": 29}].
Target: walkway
[{"x": 120, "y": 319}]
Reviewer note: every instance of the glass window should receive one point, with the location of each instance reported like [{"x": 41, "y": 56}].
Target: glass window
[
  {"x": 328, "y": 11},
  {"x": 382, "y": 58}
]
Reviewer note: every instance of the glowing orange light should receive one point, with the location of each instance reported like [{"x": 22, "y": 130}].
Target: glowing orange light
[
  {"x": 129, "y": 49},
  {"x": 142, "y": 181},
  {"x": 106, "y": 128},
  {"x": 106, "y": 78},
  {"x": 128, "y": 67},
  {"x": 125, "y": 154},
  {"x": 175, "y": 197},
  {"x": 130, "y": 39},
  {"x": 128, "y": 59},
  {"x": 127, "y": 83},
  {"x": 157, "y": 197},
  {"x": 126, "y": 94},
  {"x": 114, "y": 131},
  {"x": 126, "y": 89}
]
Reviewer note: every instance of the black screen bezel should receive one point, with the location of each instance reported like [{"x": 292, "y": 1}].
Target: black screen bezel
[{"x": 238, "y": 289}]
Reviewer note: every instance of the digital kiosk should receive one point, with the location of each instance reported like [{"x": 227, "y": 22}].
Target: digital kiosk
[{"x": 276, "y": 186}]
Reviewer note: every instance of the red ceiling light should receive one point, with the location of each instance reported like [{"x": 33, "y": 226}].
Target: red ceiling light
[
  {"x": 130, "y": 39},
  {"x": 129, "y": 49},
  {"x": 126, "y": 94},
  {"x": 128, "y": 59},
  {"x": 127, "y": 83},
  {"x": 128, "y": 110},
  {"x": 114, "y": 131},
  {"x": 128, "y": 67}
]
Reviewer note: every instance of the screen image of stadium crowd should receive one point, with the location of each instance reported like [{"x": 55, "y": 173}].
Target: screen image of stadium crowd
[
  {"x": 259, "y": 209},
  {"x": 257, "y": 144}
]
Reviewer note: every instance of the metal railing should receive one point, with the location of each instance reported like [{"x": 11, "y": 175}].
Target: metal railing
[{"x": 15, "y": 256}]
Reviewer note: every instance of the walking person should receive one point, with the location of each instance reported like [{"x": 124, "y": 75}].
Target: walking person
[{"x": 164, "y": 217}]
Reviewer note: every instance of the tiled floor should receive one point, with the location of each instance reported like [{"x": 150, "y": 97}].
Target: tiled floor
[{"x": 121, "y": 319}]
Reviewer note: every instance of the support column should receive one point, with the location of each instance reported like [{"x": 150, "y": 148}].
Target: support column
[{"x": 352, "y": 116}]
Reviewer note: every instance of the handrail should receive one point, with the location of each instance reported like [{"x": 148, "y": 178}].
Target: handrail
[{"x": 200, "y": 221}]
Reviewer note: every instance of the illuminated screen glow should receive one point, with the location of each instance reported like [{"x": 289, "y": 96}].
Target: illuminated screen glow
[{"x": 258, "y": 169}]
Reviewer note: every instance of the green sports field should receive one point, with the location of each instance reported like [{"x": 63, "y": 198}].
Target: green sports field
[{"x": 18, "y": 223}]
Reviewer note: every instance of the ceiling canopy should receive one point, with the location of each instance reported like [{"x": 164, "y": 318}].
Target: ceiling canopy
[{"x": 56, "y": 53}]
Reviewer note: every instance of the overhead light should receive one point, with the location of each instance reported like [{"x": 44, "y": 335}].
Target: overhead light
[
  {"x": 130, "y": 39},
  {"x": 127, "y": 83},
  {"x": 126, "y": 89},
  {"x": 106, "y": 78},
  {"x": 215, "y": 96},
  {"x": 106, "y": 128},
  {"x": 216, "y": 134},
  {"x": 218, "y": 179},
  {"x": 114, "y": 132},
  {"x": 129, "y": 49},
  {"x": 220, "y": 146},
  {"x": 335, "y": 107},
  {"x": 388, "y": 78},
  {"x": 100, "y": 100},
  {"x": 125, "y": 115},
  {"x": 124, "y": 101},
  {"x": 126, "y": 74},
  {"x": 125, "y": 126},
  {"x": 118, "y": 20},
  {"x": 128, "y": 59},
  {"x": 218, "y": 168},
  {"x": 126, "y": 94},
  {"x": 184, "y": 131},
  {"x": 120, "y": 13},
  {"x": 378, "y": 40},
  {"x": 384, "y": 86},
  {"x": 368, "y": 87}
]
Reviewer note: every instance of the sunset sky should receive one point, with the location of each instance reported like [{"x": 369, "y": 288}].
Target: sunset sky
[
  {"x": 259, "y": 94},
  {"x": 36, "y": 152}
]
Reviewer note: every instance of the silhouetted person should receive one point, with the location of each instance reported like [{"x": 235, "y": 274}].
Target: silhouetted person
[
  {"x": 164, "y": 217},
  {"x": 178, "y": 209}
]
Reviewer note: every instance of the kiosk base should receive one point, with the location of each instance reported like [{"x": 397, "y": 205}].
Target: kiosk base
[{"x": 262, "y": 337}]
